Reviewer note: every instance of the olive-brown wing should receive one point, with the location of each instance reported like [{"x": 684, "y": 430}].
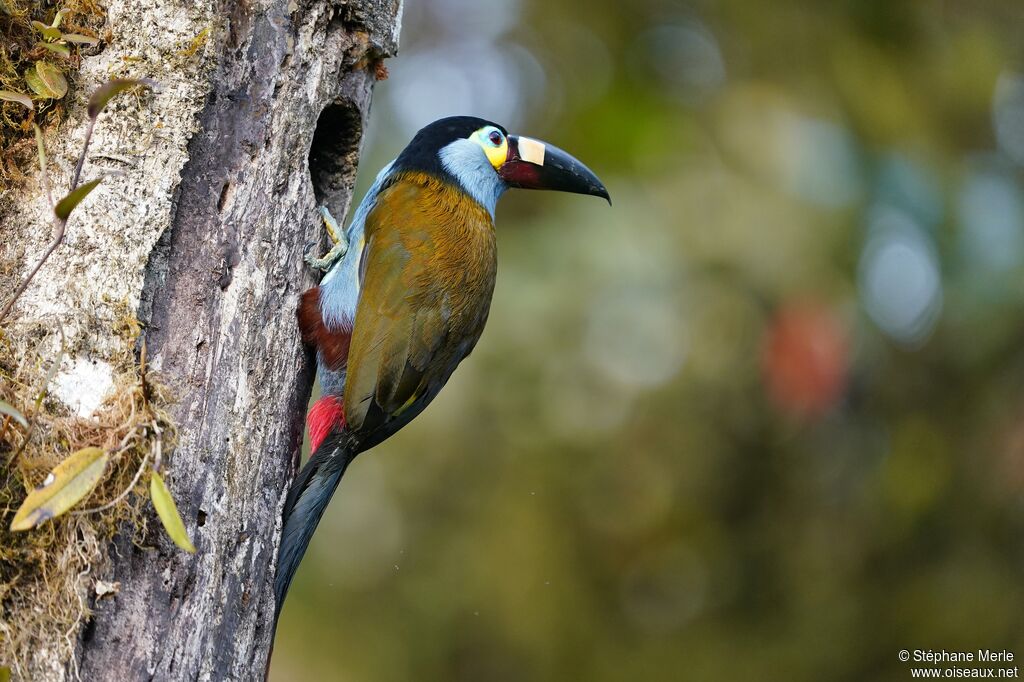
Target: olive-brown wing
[{"x": 402, "y": 329}]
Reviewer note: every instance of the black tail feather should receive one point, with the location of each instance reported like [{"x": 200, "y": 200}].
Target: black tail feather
[{"x": 307, "y": 499}]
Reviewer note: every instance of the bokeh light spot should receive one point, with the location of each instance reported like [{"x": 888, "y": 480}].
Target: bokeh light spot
[
  {"x": 902, "y": 183},
  {"x": 822, "y": 163},
  {"x": 805, "y": 359},
  {"x": 686, "y": 57},
  {"x": 991, "y": 213},
  {"x": 1008, "y": 114},
  {"x": 900, "y": 283},
  {"x": 666, "y": 589},
  {"x": 634, "y": 336}
]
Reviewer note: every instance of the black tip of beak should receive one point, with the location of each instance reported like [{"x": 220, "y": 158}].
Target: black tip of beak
[
  {"x": 586, "y": 183},
  {"x": 563, "y": 172},
  {"x": 538, "y": 165},
  {"x": 581, "y": 180}
]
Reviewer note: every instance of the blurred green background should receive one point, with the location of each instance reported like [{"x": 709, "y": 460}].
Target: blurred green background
[{"x": 762, "y": 419}]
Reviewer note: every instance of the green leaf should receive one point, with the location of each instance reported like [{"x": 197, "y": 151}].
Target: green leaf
[
  {"x": 9, "y": 96},
  {"x": 64, "y": 487},
  {"x": 58, "y": 16},
  {"x": 53, "y": 78},
  {"x": 48, "y": 32},
  {"x": 168, "y": 513},
  {"x": 66, "y": 205},
  {"x": 5, "y": 672},
  {"x": 40, "y": 148},
  {"x": 62, "y": 50},
  {"x": 104, "y": 93},
  {"x": 37, "y": 84},
  {"x": 77, "y": 38},
  {"x": 8, "y": 409},
  {"x": 46, "y": 80}
]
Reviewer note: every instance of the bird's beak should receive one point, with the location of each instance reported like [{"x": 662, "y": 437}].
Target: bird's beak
[{"x": 532, "y": 164}]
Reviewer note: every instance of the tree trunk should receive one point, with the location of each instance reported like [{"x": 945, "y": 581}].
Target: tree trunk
[{"x": 203, "y": 238}]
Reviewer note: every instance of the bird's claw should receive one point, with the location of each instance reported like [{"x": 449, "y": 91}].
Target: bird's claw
[
  {"x": 337, "y": 237},
  {"x": 336, "y": 253},
  {"x": 331, "y": 225}
]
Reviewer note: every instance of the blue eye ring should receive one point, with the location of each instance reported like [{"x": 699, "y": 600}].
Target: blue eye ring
[{"x": 495, "y": 137}]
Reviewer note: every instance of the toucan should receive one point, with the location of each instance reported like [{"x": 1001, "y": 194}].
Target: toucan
[{"x": 406, "y": 295}]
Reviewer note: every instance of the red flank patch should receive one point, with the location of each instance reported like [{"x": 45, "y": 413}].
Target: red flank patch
[
  {"x": 333, "y": 345},
  {"x": 326, "y": 413}
]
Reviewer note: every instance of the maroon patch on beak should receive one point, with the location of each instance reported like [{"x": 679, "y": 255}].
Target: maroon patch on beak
[
  {"x": 520, "y": 174},
  {"x": 513, "y": 149},
  {"x": 516, "y": 172}
]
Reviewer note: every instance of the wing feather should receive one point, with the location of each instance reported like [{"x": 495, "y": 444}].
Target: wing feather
[{"x": 406, "y": 340}]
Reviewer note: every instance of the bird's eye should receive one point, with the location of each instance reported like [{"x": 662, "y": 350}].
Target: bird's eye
[{"x": 495, "y": 138}]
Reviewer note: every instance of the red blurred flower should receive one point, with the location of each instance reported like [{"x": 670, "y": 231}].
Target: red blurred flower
[{"x": 805, "y": 359}]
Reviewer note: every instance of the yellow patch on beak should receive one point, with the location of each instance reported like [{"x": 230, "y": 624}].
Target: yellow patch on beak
[{"x": 531, "y": 151}]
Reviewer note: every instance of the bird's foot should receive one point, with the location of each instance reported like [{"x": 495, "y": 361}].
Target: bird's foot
[{"x": 338, "y": 250}]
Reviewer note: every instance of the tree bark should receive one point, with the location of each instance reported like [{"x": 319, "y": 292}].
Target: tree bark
[{"x": 203, "y": 237}]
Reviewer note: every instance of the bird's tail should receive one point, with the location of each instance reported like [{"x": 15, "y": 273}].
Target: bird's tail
[{"x": 306, "y": 501}]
